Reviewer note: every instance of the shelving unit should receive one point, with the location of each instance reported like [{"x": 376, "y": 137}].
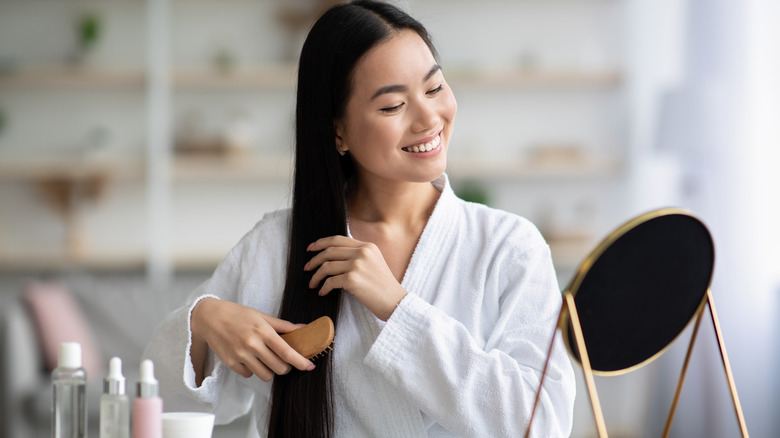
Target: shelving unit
[{"x": 187, "y": 77}]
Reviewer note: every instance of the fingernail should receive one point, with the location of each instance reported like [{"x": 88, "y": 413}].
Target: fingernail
[
  {"x": 308, "y": 248},
  {"x": 311, "y": 368}
]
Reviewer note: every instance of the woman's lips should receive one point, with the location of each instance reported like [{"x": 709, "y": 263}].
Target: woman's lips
[{"x": 428, "y": 146}]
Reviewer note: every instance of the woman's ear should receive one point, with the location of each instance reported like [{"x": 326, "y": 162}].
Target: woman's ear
[{"x": 340, "y": 143}]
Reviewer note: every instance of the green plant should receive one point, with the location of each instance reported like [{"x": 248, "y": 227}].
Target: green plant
[
  {"x": 473, "y": 191},
  {"x": 88, "y": 28}
]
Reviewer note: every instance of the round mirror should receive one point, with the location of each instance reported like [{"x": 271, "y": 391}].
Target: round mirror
[{"x": 639, "y": 289}]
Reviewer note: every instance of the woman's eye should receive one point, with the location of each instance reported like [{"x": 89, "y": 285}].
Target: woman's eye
[
  {"x": 437, "y": 89},
  {"x": 392, "y": 109}
]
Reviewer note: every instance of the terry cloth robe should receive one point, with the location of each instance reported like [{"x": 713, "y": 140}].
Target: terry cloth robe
[{"x": 461, "y": 355}]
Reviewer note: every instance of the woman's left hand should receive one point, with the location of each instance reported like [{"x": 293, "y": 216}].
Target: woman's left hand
[{"x": 358, "y": 268}]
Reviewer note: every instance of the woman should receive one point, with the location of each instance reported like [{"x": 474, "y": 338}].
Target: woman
[{"x": 449, "y": 306}]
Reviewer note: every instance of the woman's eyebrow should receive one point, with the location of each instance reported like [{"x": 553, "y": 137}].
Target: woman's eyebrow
[{"x": 399, "y": 88}]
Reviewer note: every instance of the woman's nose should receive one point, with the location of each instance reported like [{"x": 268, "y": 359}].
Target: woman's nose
[{"x": 425, "y": 116}]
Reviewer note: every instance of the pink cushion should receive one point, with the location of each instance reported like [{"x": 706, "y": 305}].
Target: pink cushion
[{"x": 58, "y": 318}]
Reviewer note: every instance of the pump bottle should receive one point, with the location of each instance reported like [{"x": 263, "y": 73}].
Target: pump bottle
[
  {"x": 148, "y": 406},
  {"x": 69, "y": 405},
  {"x": 114, "y": 404}
]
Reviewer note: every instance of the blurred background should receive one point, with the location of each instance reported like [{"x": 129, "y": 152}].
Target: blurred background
[{"x": 139, "y": 140}]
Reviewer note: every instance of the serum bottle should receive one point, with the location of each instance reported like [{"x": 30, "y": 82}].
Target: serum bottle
[
  {"x": 114, "y": 404},
  {"x": 148, "y": 406},
  {"x": 69, "y": 384}
]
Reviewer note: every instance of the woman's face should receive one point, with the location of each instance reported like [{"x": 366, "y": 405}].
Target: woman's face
[{"x": 399, "y": 117}]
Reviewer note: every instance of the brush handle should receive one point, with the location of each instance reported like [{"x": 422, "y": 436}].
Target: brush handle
[{"x": 312, "y": 339}]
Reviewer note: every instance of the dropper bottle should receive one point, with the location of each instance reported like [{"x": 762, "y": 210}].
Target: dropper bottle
[
  {"x": 114, "y": 404},
  {"x": 148, "y": 406},
  {"x": 69, "y": 405}
]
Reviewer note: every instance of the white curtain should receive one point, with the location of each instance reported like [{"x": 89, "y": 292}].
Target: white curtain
[{"x": 706, "y": 135}]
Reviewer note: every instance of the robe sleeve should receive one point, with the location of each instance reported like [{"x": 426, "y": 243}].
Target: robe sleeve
[
  {"x": 222, "y": 391},
  {"x": 473, "y": 390}
]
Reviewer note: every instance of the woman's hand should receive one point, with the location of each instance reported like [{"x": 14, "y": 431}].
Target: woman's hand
[
  {"x": 245, "y": 339},
  {"x": 358, "y": 268}
]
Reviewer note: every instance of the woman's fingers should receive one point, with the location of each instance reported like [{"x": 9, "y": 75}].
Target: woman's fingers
[
  {"x": 280, "y": 356},
  {"x": 264, "y": 362},
  {"x": 329, "y": 269},
  {"x": 330, "y": 254},
  {"x": 330, "y": 241}
]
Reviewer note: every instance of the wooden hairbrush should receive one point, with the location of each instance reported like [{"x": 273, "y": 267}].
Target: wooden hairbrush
[{"x": 312, "y": 340}]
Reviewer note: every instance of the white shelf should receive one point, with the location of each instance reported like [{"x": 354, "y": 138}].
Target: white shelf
[
  {"x": 475, "y": 167},
  {"x": 72, "y": 76},
  {"x": 235, "y": 167},
  {"x": 284, "y": 76},
  {"x": 38, "y": 168},
  {"x": 260, "y": 77},
  {"x": 280, "y": 168},
  {"x": 53, "y": 260},
  {"x": 515, "y": 77}
]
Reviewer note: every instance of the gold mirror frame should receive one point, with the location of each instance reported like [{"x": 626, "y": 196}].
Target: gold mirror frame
[
  {"x": 587, "y": 264},
  {"x": 568, "y": 316}
]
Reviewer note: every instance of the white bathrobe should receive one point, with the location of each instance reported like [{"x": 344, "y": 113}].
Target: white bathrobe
[{"x": 461, "y": 355}]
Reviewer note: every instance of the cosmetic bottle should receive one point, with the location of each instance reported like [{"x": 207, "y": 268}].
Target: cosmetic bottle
[
  {"x": 69, "y": 385},
  {"x": 114, "y": 404},
  {"x": 147, "y": 406}
]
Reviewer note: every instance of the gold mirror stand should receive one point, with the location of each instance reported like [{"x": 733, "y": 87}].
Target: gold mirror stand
[
  {"x": 568, "y": 307},
  {"x": 726, "y": 367}
]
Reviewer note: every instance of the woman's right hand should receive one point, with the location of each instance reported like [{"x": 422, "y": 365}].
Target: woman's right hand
[{"x": 245, "y": 339}]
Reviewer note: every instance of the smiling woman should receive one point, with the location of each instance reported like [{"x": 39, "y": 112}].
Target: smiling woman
[
  {"x": 449, "y": 306},
  {"x": 400, "y": 115}
]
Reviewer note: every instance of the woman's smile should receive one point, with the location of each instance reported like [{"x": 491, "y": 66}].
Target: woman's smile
[{"x": 425, "y": 146}]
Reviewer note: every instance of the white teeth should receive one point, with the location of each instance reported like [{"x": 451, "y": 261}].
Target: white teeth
[{"x": 425, "y": 147}]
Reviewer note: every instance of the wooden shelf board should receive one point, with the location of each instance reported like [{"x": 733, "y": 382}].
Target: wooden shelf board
[
  {"x": 32, "y": 261},
  {"x": 231, "y": 168},
  {"x": 72, "y": 76},
  {"x": 465, "y": 167},
  {"x": 38, "y": 168},
  {"x": 516, "y": 77},
  {"x": 263, "y": 77},
  {"x": 284, "y": 76}
]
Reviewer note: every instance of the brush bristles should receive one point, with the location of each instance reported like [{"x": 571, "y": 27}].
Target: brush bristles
[{"x": 324, "y": 352}]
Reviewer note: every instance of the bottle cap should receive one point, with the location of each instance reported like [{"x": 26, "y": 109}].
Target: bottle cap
[
  {"x": 148, "y": 385},
  {"x": 114, "y": 383},
  {"x": 70, "y": 355}
]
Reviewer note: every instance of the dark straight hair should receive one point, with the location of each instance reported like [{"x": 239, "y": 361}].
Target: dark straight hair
[{"x": 302, "y": 402}]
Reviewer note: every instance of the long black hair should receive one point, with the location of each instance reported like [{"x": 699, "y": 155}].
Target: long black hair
[{"x": 302, "y": 402}]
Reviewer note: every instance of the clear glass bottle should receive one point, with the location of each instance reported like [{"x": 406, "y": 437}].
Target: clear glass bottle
[
  {"x": 69, "y": 387},
  {"x": 114, "y": 403}
]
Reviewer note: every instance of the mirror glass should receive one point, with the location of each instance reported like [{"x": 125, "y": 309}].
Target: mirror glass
[{"x": 638, "y": 289}]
